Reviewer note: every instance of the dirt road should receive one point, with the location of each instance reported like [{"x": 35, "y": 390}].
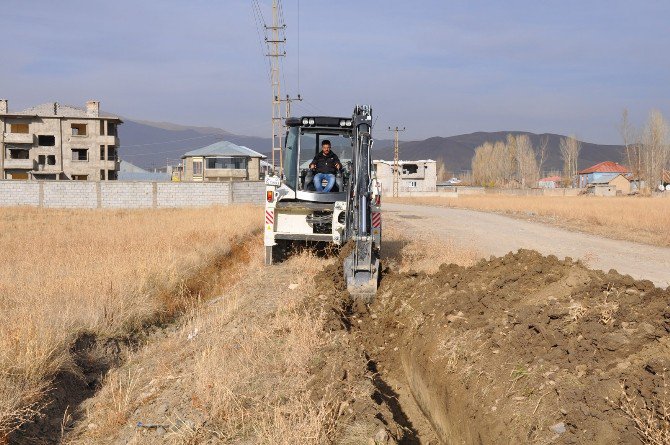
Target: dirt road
[{"x": 493, "y": 234}]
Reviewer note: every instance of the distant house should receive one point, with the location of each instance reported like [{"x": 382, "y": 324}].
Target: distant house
[
  {"x": 131, "y": 172},
  {"x": 619, "y": 184},
  {"x": 222, "y": 161},
  {"x": 601, "y": 173},
  {"x": 550, "y": 182},
  {"x": 415, "y": 176}
]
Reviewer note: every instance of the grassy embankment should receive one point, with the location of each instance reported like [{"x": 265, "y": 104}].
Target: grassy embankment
[
  {"x": 639, "y": 219},
  {"x": 66, "y": 273}
]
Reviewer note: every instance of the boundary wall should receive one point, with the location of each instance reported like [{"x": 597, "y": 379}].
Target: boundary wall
[{"x": 128, "y": 195}]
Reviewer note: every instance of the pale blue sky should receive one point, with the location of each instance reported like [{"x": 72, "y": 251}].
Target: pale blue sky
[{"x": 438, "y": 67}]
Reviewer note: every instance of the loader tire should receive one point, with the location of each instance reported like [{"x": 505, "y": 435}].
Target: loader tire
[{"x": 275, "y": 254}]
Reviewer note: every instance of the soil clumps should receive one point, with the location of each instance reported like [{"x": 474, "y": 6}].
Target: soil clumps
[{"x": 519, "y": 349}]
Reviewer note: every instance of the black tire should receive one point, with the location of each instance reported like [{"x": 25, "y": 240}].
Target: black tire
[{"x": 277, "y": 253}]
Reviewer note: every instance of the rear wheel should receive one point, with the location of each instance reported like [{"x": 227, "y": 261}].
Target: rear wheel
[{"x": 277, "y": 253}]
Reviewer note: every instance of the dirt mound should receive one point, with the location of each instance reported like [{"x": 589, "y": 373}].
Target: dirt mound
[{"x": 524, "y": 349}]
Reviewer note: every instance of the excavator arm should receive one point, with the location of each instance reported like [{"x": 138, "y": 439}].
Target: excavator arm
[{"x": 362, "y": 266}]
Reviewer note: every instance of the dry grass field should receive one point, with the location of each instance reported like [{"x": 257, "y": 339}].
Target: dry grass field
[
  {"x": 261, "y": 364},
  {"x": 639, "y": 219},
  {"x": 67, "y": 273}
]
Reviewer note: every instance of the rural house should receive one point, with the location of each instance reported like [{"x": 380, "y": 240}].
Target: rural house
[
  {"x": 415, "y": 176},
  {"x": 550, "y": 182},
  {"x": 53, "y": 141},
  {"x": 222, "y": 161},
  {"x": 601, "y": 173},
  {"x": 610, "y": 187}
]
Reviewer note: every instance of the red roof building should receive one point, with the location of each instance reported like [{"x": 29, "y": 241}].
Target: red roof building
[
  {"x": 601, "y": 173},
  {"x": 605, "y": 167}
]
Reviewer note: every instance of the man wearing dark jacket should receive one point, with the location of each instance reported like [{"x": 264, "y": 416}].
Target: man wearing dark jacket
[{"x": 325, "y": 164}]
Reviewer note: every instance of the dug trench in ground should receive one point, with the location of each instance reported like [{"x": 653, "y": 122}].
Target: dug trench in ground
[
  {"x": 95, "y": 356},
  {"x": 265, "y": 362},
  {"x": 522, "y": 349}
]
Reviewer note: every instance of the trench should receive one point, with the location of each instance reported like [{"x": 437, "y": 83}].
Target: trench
[{"x": 94, "y": 356}]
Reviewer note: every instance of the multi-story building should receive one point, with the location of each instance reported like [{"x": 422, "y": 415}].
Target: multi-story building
[
  {"x": 53, "y": 141},
  {"x": 415, "y": 176}
]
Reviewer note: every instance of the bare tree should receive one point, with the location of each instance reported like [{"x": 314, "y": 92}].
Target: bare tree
[
  {"x": 541, "y": 154},
  {"x": 570, "y": 148},
  {"x": 442, "y": 174},
  {"x": 629, "y": 137},
  {"x": 655, "y": 152},
  {"x": 505, "y": 164},
  {"x": 525, "y": 161}
]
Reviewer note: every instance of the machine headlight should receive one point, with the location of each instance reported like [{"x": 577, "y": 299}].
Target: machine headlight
[
  {"x": 311, "y": 121},
  {"x": 348, "y": 122},
  {"x": 305, "y": 121},
  {"x": 343, "y": 123}
]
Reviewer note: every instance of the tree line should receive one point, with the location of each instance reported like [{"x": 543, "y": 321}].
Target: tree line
[{"x": 516, "y": 162}]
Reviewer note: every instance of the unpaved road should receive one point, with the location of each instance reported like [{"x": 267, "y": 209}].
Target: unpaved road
[{"x": 493, "y": 234}]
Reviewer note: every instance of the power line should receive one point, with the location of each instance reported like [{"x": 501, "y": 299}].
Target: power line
[{"x": 172, "y": 140}]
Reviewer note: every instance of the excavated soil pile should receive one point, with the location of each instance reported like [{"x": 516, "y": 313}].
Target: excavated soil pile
[{"x": 521, "y": 349}]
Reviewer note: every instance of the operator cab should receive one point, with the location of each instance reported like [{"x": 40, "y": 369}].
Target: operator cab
[{"x": 303, "y": 142}]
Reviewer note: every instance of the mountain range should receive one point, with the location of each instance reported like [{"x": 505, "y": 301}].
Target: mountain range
[{"x": 153, "y": 144}]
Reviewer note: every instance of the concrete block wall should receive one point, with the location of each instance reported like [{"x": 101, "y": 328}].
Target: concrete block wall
[
  {"x": 249, "y": 192},
  {"x": 192, "y": 194},
  {"x": 18, "y": 193},
  {"x": 129, "y": 195},
  {"x": 126, "y": 195},
  {"x": 69, "y": 194}
]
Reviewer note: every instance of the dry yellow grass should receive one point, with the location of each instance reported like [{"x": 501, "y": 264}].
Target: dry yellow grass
[
  {"x": 64, "y": 273},
  {"x": 237, "y": 370},
  {"x": 639, "y": 219}
]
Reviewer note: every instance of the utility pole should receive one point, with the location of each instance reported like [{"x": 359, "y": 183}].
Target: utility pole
[
  {"x": 275, "y": 38},
  {"x": 396, "y": 161},
  {"x": 274, "y": 43}
]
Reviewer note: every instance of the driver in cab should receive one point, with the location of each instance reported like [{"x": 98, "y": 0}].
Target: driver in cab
[{"x": 325, "y": 165}]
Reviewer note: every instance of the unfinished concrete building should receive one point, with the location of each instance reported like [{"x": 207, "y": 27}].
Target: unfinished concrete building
[
  {"x": 415, "y": 176},
  {"x": 58, "y": 142}
]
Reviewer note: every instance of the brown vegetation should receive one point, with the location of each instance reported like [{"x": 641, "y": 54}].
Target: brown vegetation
[
  {"x": 647, "y": 149},
  {"x": 629, "y": 218},
  {"x": 68, "y": 274},
  {"x": 515, "y": 163}
]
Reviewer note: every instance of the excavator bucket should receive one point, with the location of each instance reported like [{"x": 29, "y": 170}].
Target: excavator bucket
[{"x": 361, "y": 283}]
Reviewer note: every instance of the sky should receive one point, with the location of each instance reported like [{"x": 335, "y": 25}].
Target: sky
[{"x": 436, "y": 67}]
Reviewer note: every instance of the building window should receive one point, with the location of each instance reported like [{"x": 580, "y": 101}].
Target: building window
[
  {"x": 80, "y": 177},
  {"x": 111, "y": 175},
  {"x": 102, "y": 174},
  {"x": 102, "y": 128},
  {"x": 80, "y": 154},
  {"x": 111, "y": 153},
  {"x": 410, "y": 169},
  {"x": 412, "y": 183},
  {"x": 102, "y": 152},
  {"x": 197, "y": 168},
  {"x": 41, "y": 159},
  {"x": 46, "y": 140},
  {"x": 51, "y": 159},
  {"x": 111, "y": 129},
  {"x": 19, "y": 128},
  {"x": 19, "y": 153},
  {"x": 78, "y": 129},
  {"x": 227, "y": 162}
]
